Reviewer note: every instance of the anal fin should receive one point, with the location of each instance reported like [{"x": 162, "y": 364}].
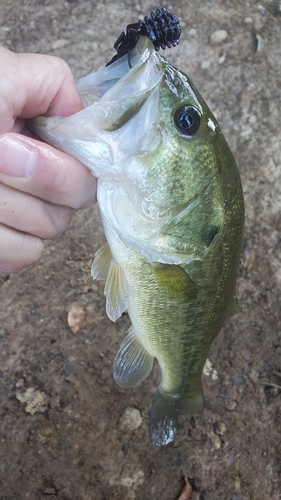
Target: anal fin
[{"x": 132, "y": 363}]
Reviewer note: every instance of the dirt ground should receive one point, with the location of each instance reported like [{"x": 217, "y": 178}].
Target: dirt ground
[{"x": 62, "y": 430}]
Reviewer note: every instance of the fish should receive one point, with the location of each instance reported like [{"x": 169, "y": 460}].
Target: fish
[{"x": 171, "y": 204}]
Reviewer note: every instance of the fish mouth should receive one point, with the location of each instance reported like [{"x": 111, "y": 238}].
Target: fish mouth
[
  {"x": 133, "y": 76},
  {"x": 120, "y": 103},
  {"x": 120, "y": 90}
]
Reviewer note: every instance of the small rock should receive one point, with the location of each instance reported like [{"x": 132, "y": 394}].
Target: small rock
[
  {"x": 246, "y": 132},
  {"x": 218, "y": 36},
  {"x": 253, "y": 119},
  {"x": 248, "y": 20},
  {"x": 75, "y": 317},
  {"x": 261, "y": 9},
  {"x": 238, "y": 380},
  {"x": 36, "y": 401},
  {"x": 208, "y": 370},
  {"x": 130, "y": 419},
  {"x": 260, "y": 42},
  {"x": 253, "y": 375},
  {"x": 192, "y": 32},
  {"x": 60, "y": 43},
  {"x": 90, "y": 32},
  {"x": 216, "y": 442},
  {"x": 245, "y": 352},
  {"x": 205, "y": 65},
  {"x": 131, "y": 479},
  {"x": 220, "y": 428},
  {"x": 230, "y": 405},
  {"x": 46, "y": 431},
  {"x": 134, "y": 480},
  {"x": 20, "y": 383},
  {"x": 251, "y": 86},
  {"x": 237, "y": 484},
  {"x": 221, "y": 59},
  {"x": 49, "y": 491}
]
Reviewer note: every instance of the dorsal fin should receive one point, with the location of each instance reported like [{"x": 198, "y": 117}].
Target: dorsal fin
[{"x": 233, "y": 307}]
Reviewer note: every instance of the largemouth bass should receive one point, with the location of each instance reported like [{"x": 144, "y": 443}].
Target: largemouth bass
[{"x": 172, "y": 207}]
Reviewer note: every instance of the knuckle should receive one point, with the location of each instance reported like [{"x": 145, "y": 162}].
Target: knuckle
[
  {"x": 18, "y": 249},
  {"x": 58, "y": 68},
  {"x": 61, "y": 65},
  {"x": 30, "y": 248},
  {"x": 59, "y": 218},
  {"x": 60, "y": 179}
]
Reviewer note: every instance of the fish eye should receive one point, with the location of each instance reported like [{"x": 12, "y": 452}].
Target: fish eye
[{"x": 187, "y": 120}]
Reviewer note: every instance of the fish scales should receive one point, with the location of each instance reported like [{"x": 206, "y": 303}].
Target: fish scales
[{"x": 172, "y": 207}]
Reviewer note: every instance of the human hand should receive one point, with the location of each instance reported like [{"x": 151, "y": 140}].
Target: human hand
[{"x": 39, "y": 185}]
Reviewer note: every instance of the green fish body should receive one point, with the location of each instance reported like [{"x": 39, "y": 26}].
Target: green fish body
[{"x": 172, "y": 207}]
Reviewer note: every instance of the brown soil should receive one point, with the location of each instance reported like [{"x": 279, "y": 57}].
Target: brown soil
[{"x": 60, "y": 430}]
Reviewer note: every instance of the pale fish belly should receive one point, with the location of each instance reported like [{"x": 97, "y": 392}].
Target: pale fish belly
[{"x": 158, "y": 299}]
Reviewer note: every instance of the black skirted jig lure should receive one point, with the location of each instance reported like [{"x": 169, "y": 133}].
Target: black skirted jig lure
[{"x": 163, "y": 29}]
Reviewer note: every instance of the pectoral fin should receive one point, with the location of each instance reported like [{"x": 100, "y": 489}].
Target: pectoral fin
[
  {"x": 106, "y": 268},
  {"x": 173, "y": 279},
  {"x": 116, "y": 292},
  {"x": 101, "y": 264},
  {"x": 132, "y": 363}
]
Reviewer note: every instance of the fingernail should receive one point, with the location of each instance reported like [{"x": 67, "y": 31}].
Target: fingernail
[{"x": 17, "y": 157}]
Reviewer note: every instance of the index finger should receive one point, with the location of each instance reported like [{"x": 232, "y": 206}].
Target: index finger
[
  {"x": 33, "y": 84},
  {"x": 39, "y": 169}
]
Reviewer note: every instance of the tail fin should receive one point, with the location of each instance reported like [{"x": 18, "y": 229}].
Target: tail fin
[
  {"x": 163, "y": 416},
  {"x": 163, "y": 419}
]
